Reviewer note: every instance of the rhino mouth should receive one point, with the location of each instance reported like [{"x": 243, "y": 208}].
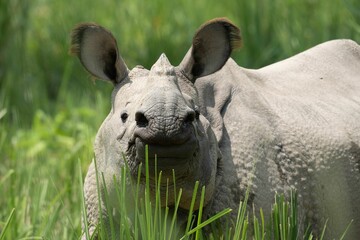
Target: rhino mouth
[
  {"x": 179, "y": 164},
  {"x": 176, "y": 158}
]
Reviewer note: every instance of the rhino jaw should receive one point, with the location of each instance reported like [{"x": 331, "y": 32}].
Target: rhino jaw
[{"x": 166, "y": 158}]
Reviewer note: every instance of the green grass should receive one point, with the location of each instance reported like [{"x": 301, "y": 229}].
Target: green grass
[
  {"x": 147, "y": 219},
  {"x": 50, "y": 110}
]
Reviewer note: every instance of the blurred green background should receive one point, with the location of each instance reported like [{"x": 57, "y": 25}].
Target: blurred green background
[{"x": 50, "y": 109}]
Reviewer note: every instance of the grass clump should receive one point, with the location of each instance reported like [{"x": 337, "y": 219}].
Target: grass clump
[{"x": 140, "y": 214}]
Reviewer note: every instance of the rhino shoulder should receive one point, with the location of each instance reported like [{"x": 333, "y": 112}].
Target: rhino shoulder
[{"x": 215, "y": 92}]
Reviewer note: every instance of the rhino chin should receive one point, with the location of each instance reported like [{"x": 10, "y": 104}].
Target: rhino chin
[{"x": 167, "y": 158}]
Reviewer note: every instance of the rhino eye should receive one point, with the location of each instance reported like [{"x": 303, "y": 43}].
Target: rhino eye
[{"x": 124, "y": 116}]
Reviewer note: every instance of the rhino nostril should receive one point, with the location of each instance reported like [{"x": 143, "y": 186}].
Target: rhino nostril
[
  {"x": 190, "y": 117},
  {"x": 141, "y": 120}
]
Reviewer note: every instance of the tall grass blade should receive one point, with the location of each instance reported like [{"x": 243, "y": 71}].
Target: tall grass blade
[
  {"x": 245, "y": 227},
  {"x": 137, "y": 213},
  {"x": 207, "y": 222},
  {"x": 347, "y": 228},
  {"x": 197, "y": 235},
  {"x": 7, "y": 175},
  {"x": 7, "y": 224},
  {"x": 191, "y": 209},
  {"x": 293, "y": 214},
  {"x": 166, "y": 210},
  {"x": 148, "y": 208},
  {"x": 275, "y": 218},
  {"x": 256, "y": 225},
  {"x": 108, "y": 209},
  {"x": 240, "y": 220},
  {"x": 100, "y": 231},
  {"x": 262, "y": 223},
  {"x": 157, "y": 211},
  {"x": 323, "y": 231},
  {"x": 173, "y": 221},
  {"x": 124, "y": 227},
  {"x": 83, "y": 204}
]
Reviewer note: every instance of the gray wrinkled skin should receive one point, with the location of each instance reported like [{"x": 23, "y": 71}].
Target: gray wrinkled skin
[
  {"x": 292, "y": 125},
  {"x": 298, "y": 123}
]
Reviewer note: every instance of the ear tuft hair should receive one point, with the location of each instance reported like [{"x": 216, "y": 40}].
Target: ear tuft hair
[
  {"x": 77, "y": 34},
  {"x": 233, "y": 34}
]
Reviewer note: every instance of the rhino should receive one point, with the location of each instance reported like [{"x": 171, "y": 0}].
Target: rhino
[{"x": 294, "y": 124}]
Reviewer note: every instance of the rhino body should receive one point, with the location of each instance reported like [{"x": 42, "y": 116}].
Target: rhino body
[{"x": 291, "y": 125}]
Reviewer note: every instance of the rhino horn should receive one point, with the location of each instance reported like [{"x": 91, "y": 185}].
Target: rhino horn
[{"x": 162, "y": 67}]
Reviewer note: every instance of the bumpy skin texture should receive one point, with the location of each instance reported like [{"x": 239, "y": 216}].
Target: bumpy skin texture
[
  {"x": 298, "y": 123},
  {"x": 293, "y": 124}
]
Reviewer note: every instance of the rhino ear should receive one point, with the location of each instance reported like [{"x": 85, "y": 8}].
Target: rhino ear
[
  {"x": 211, "y": 48},
  {"x": 97, "y": 50}
]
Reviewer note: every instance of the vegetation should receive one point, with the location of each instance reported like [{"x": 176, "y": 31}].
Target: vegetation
[
  {"x": 50, "y": 111},
  {"x": 140, "y": 215}
]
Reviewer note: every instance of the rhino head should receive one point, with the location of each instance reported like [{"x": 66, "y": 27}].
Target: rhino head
[{"x": 159, "y": 108}]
